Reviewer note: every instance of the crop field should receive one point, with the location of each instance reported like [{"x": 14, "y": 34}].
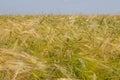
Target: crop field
[{"x": 60, "y": 47}]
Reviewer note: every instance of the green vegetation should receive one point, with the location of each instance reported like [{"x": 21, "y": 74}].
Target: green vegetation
[{"x": 57, "y": 47}]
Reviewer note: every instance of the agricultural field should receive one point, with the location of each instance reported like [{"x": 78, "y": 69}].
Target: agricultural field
[{"x": 60, "y": 47}]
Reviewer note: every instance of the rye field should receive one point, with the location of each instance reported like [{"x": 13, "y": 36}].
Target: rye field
[{"x": 60, "y": 47}]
